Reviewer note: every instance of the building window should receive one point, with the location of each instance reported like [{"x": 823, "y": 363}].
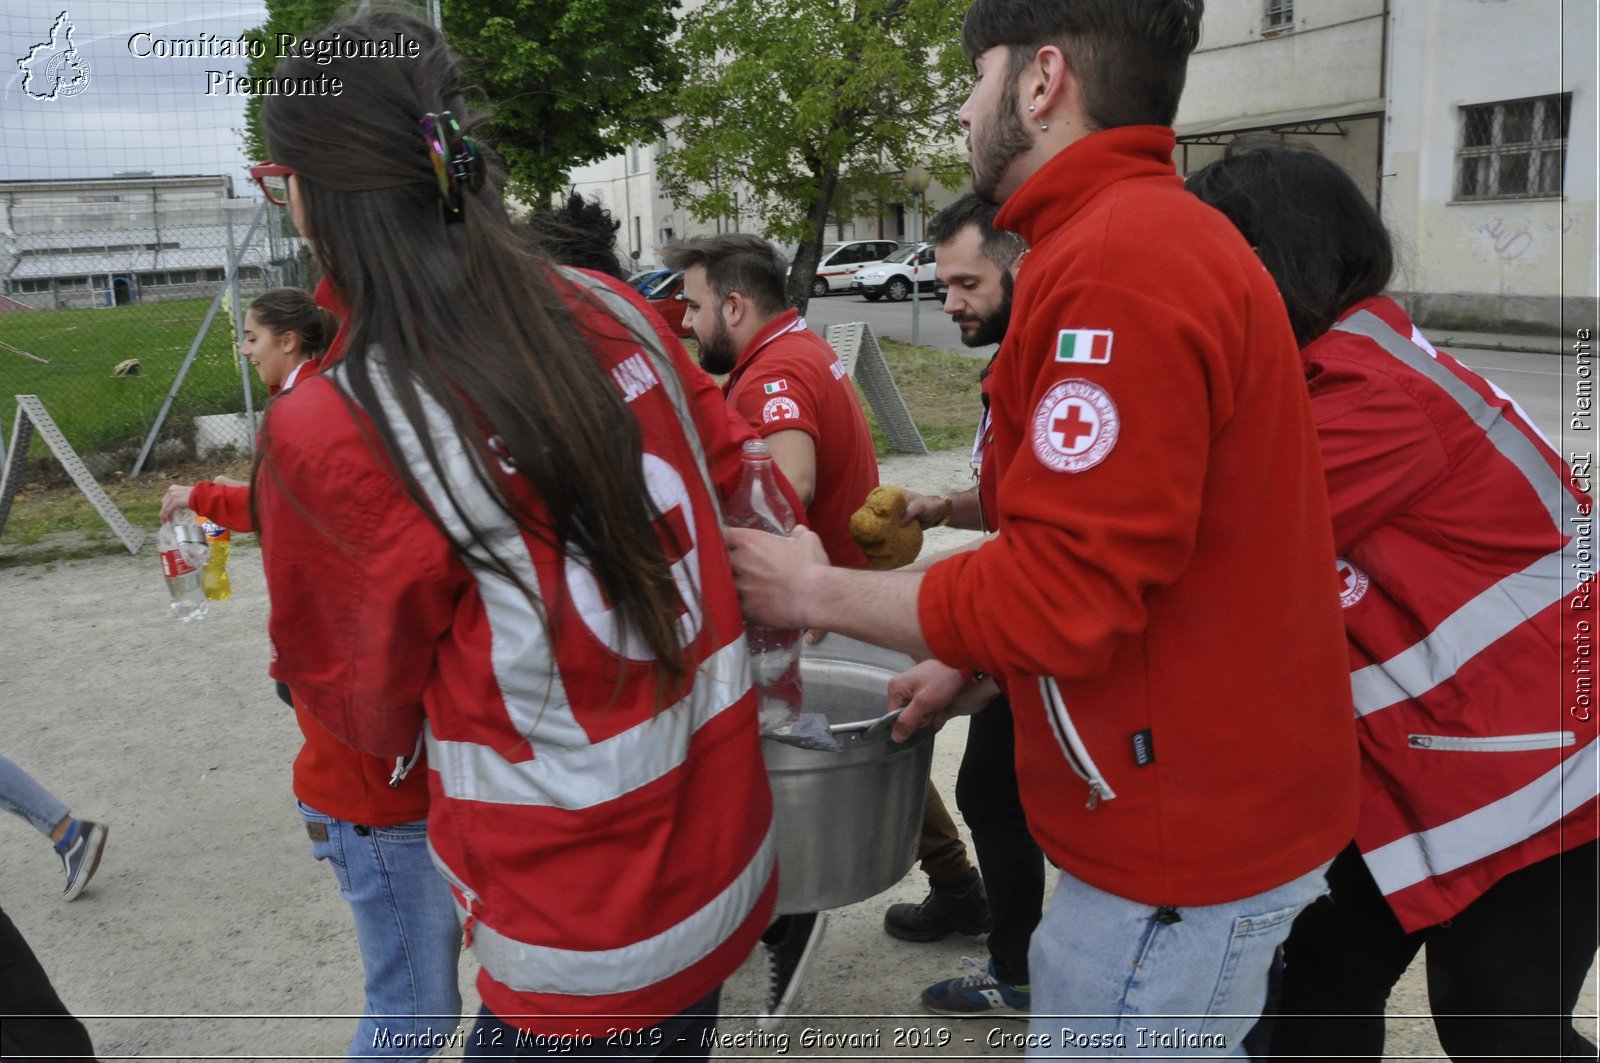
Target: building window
[
  {"x": 1280, "y": 14},
  {"x": 633, "y": 158},
  {"x": 1513, "y": 150}
]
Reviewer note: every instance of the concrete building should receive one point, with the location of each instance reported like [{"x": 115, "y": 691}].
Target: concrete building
[
  {"x": 120, "y": 240},
  {"x": 1470, "y": 123},
  {"x": 1489, "y": 160}
]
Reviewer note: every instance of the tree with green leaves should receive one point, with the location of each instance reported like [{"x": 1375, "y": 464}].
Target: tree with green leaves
[
  {"x": 814, "y": 107},
  {"x": 568, "y": 82},
  {"x": 299, "y": 18}
]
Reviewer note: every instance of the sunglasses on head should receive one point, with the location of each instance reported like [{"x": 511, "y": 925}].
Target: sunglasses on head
[{"x": 274, "y": 181}]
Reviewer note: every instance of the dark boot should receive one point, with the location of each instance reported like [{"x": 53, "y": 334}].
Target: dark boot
[{"x": 960, "y": 906}]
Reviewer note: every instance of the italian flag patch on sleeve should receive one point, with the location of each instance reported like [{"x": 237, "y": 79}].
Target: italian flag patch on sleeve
[
  {"x": 1086, "y": 346},
  {"x": 782, "y": 384}
]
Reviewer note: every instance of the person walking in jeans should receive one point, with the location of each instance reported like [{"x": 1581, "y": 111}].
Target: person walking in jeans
[
  {"x": 78, "y": 842},
  {"x": 1157, "y": 597}
]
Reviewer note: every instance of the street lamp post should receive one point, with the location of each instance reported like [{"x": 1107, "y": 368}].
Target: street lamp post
[{"x": 916, "y": 179}]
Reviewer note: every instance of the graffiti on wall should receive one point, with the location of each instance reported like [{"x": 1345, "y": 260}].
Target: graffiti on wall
[{"x": 1513, "y": 238}]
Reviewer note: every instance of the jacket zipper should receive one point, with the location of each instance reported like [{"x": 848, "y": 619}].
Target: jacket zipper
[
  {"x": 1072, "y": 746},
  {"x": 1496, "y": 744}
]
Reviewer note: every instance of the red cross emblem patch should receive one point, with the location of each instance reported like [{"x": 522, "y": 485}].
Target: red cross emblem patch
[
  {"x": 1075, "y": 426},
  {"x": 1353, "y": 583}
]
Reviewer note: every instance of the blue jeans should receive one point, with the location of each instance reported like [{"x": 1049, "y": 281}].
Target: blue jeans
[
  {"x": 1112, "y": 977},
  {"x": 406, "y": 927},
  {"x": 687, "y": 1035},
  {"x": 21, "y": 795}
]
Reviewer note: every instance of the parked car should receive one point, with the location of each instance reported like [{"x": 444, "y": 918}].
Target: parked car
[
  {"x": 642, "y": 280},
  {"x": 839, "y": 263},
  {"x": 665, "y": 295},
  {"x": 892, "y": 278}
]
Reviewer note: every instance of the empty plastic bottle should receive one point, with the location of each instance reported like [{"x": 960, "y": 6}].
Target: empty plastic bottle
[
  {"x": 182, "y": 545},
  {"x": 774, "y": 652}
]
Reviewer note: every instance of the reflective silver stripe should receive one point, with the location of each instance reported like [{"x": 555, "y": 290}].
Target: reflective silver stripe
[
  {"x": 1485, "y": 831},
  {"x": 1461, "y": 636},
  {"x": 523, "y": 664},
  {"x": 530, "y": 968},
  {"x": 1505, "y": 436},
  {"x": 1498, "y": 610},
  {"x": 594, "y": 773}
]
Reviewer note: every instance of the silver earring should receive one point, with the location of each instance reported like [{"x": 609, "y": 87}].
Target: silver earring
[
  {"x": 1043, "y": 127},
  {"x": 1030, "y": 108}
]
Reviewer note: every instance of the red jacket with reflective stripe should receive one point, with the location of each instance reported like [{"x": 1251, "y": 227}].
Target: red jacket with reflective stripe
[
  {"x": 1454, "y": 520},
  {"x": 1163, "y": 545},
  {"x": 613, "y": 858}
]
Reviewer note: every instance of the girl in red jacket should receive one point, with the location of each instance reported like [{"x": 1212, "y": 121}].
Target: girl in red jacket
[
  {"x": 1455, "y": 521},
  {"x": 285, "y": 336}
]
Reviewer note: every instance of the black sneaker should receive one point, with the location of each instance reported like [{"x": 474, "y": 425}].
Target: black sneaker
[
  {"x": 787, "y": 959},
  {"x": 963, "y": 908},
  {"x": 82, "y": 857}
]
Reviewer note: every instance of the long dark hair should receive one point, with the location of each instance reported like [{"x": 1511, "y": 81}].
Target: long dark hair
[
  {"x": 466, "y": 316},
  {"x": 293, "y": 310},
  {"x": 1315, "y": 232}
]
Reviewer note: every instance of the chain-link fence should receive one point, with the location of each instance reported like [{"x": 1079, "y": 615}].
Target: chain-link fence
[
  {"x": 125, "y": 203},
  {"x": 119, "y": 309}
]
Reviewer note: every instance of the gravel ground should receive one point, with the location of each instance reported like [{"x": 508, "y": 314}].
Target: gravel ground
[{"x": 210, "y": 933}]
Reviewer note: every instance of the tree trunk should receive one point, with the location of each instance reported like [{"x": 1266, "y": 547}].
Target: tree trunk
[{"x": 803, "y": 270}]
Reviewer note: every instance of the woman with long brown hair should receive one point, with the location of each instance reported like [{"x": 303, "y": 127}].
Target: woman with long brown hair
[{"x": 499, "y": 511}]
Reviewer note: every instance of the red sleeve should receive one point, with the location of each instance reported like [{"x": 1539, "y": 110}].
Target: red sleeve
[
  {"x": 362, "y": 584},
  {"x": 776, "y": 395},
  {"x": 1380, "y": 450},
  {"x": 1083, "y": 542},
  {"x": 227, "y": 506}
]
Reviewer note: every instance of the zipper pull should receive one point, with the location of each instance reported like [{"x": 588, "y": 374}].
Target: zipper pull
[
  {"x": 466, "y": 928},
  {"x": 1095, "y": 792},
  {"x": 1420, "y": 741}
]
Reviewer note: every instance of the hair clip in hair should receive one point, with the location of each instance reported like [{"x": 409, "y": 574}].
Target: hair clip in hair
[{"x": 457, "y": 160}]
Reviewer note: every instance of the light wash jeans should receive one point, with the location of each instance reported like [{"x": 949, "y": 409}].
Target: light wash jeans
[
  {"x": 408, "y": 933},
  {"x": 21, "y": 795},
  {"x": 1114, "y": 978}
]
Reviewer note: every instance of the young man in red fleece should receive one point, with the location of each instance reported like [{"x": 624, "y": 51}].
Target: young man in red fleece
[{"x": 1158, "y": 602}]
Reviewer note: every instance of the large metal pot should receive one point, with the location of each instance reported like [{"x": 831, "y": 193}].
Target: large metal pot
[{"x": 847, "y": 822}]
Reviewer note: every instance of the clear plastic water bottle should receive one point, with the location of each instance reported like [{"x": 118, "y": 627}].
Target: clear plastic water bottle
[
  {"x": 182, "y": 545},
  {"x": 774, "y": 652}
]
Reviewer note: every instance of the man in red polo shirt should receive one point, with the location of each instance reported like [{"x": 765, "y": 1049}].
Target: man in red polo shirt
[{"x": 782, "y": 378}]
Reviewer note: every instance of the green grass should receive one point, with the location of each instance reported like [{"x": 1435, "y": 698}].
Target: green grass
[
  {"x": 941, "y": 391},
  {"x": 98, "y": 412},
  {"x": 51, "y": 521}
]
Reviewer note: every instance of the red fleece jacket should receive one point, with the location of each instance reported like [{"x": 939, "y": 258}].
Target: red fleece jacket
[{"x": 1161, "y": 599}]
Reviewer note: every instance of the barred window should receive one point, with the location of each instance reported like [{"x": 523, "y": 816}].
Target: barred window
[
  {"x": 1280, "y": 14},
  {"x": 1513, "y": 150}
]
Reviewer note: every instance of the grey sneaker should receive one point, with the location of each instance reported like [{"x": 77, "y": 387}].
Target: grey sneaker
[{"x": 82, "y": 857}]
